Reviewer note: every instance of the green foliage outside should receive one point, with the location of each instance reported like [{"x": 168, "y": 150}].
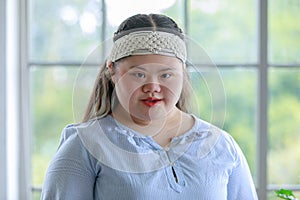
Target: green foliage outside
[{"x": 285, "y": 194}]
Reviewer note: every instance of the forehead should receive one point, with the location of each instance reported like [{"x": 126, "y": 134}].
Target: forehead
[{"x": 159, "y": 60}]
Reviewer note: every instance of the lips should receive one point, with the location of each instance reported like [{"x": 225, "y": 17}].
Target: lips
[{"x": 151, "y": 101}]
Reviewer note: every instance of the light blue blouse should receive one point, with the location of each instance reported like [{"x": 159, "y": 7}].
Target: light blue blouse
[{"x": 105, "y": 160}]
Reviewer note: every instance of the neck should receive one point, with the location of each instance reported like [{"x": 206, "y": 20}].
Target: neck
[{"x": 149, "y": 127}]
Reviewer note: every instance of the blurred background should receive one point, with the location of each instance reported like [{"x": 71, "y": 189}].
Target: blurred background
[{"x": 52, "y": 49}]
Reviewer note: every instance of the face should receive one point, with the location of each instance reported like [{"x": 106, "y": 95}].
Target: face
[{"x": 148, "y": 86}]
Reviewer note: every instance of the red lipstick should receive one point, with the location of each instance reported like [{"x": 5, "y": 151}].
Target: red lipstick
[{"x": 151, "y": 101}]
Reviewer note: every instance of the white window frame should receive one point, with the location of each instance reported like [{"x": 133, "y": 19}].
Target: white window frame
[
  {"x": 16, "y": 100},
  {"x": 3, "y": 156}
]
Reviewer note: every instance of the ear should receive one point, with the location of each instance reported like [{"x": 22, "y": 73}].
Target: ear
[
  {"x": 111, "y": 70},
  {"x": 109, "y": 66}
]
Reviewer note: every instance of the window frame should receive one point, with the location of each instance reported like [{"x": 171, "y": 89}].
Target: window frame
[
  {"x": 262, "y": 112},
  {"x": 16, "y": 94},
  {"x": 3, "y": 152}
]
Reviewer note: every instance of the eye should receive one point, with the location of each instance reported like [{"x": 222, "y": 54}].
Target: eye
[
  {"x": 139, "y": 75},
  {"x": 166, "y": 75}
]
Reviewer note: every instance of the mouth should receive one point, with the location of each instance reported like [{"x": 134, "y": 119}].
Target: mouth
[{"x": 151, "y": 101}]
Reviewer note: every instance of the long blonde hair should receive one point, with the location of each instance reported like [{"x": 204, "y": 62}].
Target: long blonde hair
[{"x": 99, "y": 104}]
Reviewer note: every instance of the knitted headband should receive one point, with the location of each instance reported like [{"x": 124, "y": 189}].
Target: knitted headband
[{"x": 149, "y": 42}]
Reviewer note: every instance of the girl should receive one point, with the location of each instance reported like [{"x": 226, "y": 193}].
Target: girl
[{"x": 137, "y": 139}]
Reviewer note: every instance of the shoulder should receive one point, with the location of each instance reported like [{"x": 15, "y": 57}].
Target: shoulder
[
  {"x": 90, "y": 127},
  {"x": 75, "y": 136},
  {"x": 89, "y": 139},
  {"x": 208, "y": 129},
  {"x": 74, "y": 148},
  {"x": 216, "y": 139}
]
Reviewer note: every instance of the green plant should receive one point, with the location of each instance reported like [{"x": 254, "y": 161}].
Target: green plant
[{"x": 285, "y": 194}]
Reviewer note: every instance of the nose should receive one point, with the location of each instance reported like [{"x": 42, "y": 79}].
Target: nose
[{"x": 151, "y": 87}]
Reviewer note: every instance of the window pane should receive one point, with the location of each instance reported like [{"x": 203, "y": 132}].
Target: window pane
[
  {"x": 240, "y": 87},
  {"x": 240, "y": 90},
  {"x": 128, "y": 8},
  {"x": 36, "y": 195},
  {"x": 284, "y": 131},
  {"x": 284, "y": 31},
  {"x": 62, "y": 30},
  {"x": 56, "y": 100},
  {"x": 176, "y": 13},
  {"x": 125, "y": 9},
  {"x": 226, "y": 29}
]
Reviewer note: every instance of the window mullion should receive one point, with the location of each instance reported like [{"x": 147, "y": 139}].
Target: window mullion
[
  {"x": 3, "y": 132},
  {"x": 103, "y": 29},
  {"x": 25, "y": 136},
  {"x": 262, "y": 109},
  {"x": 186, "y": 16}
]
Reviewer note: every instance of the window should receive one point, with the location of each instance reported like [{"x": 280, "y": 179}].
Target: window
[
  {"x": 284, "y": 87},
  {"x": 261, "y": 78}
]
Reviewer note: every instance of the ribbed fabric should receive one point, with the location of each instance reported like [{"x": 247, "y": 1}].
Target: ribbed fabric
[{"x": 104, "y": 160}]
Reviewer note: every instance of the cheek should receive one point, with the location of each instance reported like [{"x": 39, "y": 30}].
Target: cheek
[
  {"x": 174, "y": 88},
  {"x": 125, "y": 85},
  {"x": 172, "y": 94},
  {"x": 126, "y": 90}
]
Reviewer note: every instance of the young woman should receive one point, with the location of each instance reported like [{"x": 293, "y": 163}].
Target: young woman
[{"x": 137, "y": 139}]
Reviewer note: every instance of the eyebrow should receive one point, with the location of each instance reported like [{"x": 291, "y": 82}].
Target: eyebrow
[{"x": 143, "y": 69}]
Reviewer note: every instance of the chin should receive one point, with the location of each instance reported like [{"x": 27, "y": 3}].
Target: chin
[{"x": 150, "y": 115}]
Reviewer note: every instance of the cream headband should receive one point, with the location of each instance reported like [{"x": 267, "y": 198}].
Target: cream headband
[{"x": 148, "y": 42}]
